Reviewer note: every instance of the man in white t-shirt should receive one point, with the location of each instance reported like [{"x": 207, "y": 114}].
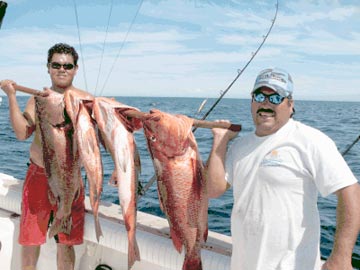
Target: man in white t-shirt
[{"x": 276, "y": 174}]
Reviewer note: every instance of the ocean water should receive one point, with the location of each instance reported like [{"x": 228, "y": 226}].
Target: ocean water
[{"x": 339, "y": 120}]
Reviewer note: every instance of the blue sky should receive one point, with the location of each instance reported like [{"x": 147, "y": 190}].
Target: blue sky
[{"x": 190, "y": 48}]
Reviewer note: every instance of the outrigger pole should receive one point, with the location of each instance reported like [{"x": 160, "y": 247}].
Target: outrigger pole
[
  {"x": 223, "y": 93},
  {"x": 3, "y": 6},
  {"x": 142, "y": 115}
]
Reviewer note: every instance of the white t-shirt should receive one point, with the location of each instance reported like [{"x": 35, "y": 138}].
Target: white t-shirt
[{"x": 275, "y": 221}]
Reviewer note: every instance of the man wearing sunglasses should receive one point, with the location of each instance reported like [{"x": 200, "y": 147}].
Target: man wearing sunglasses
[
  {"x": 276, "y": 174},
  {"x": 36, "y": 208}
]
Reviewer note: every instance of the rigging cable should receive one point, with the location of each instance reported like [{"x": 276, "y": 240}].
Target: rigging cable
[
  {"x": 122, "y": 45},
  {"x": 153, "y": 178},
  {"x": 81, "y": 51},
  {"x": 103, "y": 48}
]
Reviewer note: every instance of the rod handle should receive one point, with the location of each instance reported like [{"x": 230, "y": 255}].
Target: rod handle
[{"x": 30, "y": 91}]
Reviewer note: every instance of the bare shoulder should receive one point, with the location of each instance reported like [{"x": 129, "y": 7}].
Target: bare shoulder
[
  {"x": 30, "y": 105},
  {"x": 31, "y": 101}
]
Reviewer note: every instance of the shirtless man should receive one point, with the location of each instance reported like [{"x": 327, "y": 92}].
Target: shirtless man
[{"x": 36, "y": 209}]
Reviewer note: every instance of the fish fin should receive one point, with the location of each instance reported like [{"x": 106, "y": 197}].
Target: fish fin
[
  {"x": 133, "y": 253},
  {"x": 88, "y": 104},
  {"x": 124, "y": 159},
  {"x": 101, "y": 140},
  {"x": 113, "y": 179},
  {"x": 60, "y": 226},
  {"x": 205, "y": 235},
  {"x": 163, "y": 209},
  {"x": 192, "y": 259},
  {"x": 176, "y": 240},
  {"x": 77, "y": 194},
  {"x": 51, "y": 197},
  {"x": 137, "y": 160},
  {"x": 98, "y": 230}
]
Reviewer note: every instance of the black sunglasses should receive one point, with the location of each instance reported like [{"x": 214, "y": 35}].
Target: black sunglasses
[
  {"x": 56, "y": 65},
  {"x": 273, "y": 98}
]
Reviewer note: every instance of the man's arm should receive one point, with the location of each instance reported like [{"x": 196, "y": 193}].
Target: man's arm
[
  {"x": 22, "y": 125},
  {"x": 347, "y": 228},
  {"x": 215, "y": 168}
]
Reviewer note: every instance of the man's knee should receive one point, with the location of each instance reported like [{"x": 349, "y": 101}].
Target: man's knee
[{"x": 29, "y": 257}]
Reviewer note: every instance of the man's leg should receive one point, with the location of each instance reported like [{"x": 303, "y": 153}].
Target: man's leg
[
  {"x": 65, "y": 257},
  {"x": 66, "y": 242},
  {"x": 29, "y": 257}
]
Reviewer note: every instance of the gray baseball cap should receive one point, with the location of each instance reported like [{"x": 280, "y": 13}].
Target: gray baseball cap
[{"x": 277, "y": 79}]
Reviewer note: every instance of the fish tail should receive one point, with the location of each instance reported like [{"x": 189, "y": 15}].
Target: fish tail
[
  {"x": 176, "y": 240},
  {"x": 205, "y": 235},
  {"x": 133, "y": 253},
  {"x": 192, "y": 263},
  {"x": 98, "y": 230},
  {"x": 60, "y": 226}
]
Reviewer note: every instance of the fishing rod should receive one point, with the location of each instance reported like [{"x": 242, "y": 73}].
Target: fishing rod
[
  {"x": 223, "y": 93},
  {"x": 141, "y": 115},
  {"x": 240, "y": 71},
  {"x": 350, "y": 146}
]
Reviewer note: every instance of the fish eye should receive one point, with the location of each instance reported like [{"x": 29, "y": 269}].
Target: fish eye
[{"x": 153, "y": 138}]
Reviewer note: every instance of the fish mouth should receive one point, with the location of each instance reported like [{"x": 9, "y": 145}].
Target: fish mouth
[{"x": 150, "y": 119}]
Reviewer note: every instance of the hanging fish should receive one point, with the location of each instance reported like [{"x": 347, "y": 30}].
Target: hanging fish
[
  {"x": 181, "y": 182},
  {"x": 78, "y": 104},
  {"x": 62, "y": 163},
  {"x": 3, "y": 6},
  {"x": 117, "y": 133}
]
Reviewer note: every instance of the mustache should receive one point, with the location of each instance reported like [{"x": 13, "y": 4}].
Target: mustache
[{"x": 264, "y": 110}]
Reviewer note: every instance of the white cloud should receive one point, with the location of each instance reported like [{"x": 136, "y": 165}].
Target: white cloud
[{"x": 191, "y": 47}]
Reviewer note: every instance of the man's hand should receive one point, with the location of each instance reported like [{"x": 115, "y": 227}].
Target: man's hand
[
  {"x": 8, "y": 87},
  {"x": 224, "y": 134}
]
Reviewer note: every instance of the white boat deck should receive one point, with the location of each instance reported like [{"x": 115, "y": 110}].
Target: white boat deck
[{"x": 156, "y": 249}]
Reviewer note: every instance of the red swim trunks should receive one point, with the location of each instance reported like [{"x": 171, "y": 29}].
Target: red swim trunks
[{"x": 36, "y": 210}]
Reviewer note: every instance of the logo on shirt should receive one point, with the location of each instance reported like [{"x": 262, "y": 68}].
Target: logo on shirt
[{"x": 272, "y": 159}]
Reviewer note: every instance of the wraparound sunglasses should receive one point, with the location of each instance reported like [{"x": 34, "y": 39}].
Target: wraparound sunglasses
[
  {"x": 56, "y": 65},
  {"x": 274, "y": 98}
]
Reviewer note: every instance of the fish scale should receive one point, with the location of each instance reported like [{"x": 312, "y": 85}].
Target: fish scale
[
  {"x": 77, "y": 104},
  {"x": 116, "y": 133},
  {"x": 181, "y": 182},
  {"x": 61, "y": 159}
]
